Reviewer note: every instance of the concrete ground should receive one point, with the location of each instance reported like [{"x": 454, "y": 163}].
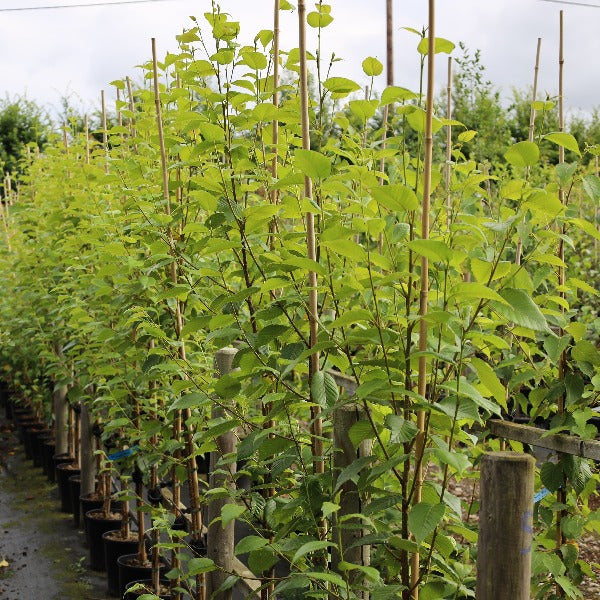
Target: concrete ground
[{"x": 42, "y": 556}]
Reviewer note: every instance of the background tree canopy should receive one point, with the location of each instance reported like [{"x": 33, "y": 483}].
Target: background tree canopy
[{"x": 22, "y": 122}]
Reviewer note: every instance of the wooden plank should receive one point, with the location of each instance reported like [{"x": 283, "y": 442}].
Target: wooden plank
[{"x": 560, "y": 442}]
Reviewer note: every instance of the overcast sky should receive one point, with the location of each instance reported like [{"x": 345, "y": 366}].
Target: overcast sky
[{"x": 76, "y": 52}]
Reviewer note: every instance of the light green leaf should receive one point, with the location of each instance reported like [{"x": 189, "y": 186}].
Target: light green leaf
[
  {"x": 566, "y": 140},
  {"x": 372, "y": 67},
  {"x": 439, "y": 45},
  {"x": 341, "y": 86},
  {"x": 396, "y": 197},
  {"x": 591, "y": 185},
  {"x": 523, "y": 154},
  {"x": 458, "y": 461},
  {"x": 520, "y": 309},
  {"x": 318, "y": 19},
  {"x": 360, "y": 431},
  {"x": 432, "y": 249},
  {"x": 324, "y": 390},
  {"x": 394, "y": 93},
  {"x": 402, "y": 430},
  {"x": 490, "y": 380},
  {"x": 313, "y": 164},
  {"x": 255, "y": 60},
  {"x": 469, "y": 290}
]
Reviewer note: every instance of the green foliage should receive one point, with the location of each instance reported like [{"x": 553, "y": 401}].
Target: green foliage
[{"x": 125, "y": 291}]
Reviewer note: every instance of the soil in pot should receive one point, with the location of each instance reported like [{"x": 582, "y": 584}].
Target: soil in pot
[
  {"x": 97, "y": 524},
  {"x": 131, "y": 570},
  {"x": 93, "y": 502},
  {"x": 63, "y": 472},
  {"x": 74, "y": 492},
  {"x": 115, "y": 546},
  {"x": 164, "y": 593}
]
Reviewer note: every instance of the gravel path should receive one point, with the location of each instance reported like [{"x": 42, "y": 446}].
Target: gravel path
[{"x": 42, "y": 556}]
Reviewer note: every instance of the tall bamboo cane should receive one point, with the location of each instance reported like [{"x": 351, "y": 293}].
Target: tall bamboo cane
[
  {"x": 191, "y": 460},
  {"x": 317, "y": 424},
  {"x": 424, "y": 295}
]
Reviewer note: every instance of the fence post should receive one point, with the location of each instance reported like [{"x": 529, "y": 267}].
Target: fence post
[
  {"x": 220, "y": 540},
  {"x": 505, "y": 526},
  {"x": 345, "y": 454}
]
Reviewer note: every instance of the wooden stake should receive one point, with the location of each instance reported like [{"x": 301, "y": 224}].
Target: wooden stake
[
  {"x": 313, "y": 308},
  {"x": 424, "y": 295},
  {"x": 448, "y": 143},
  {"x": 562, "y": 364},
  {"x": 194, "y": 487},
  {"x": 505, "y": 526},
  {"x": 519, "y": 250},
  {"x": 220, "y": 539}
]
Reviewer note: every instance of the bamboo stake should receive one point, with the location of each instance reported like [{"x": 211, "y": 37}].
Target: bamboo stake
[
  {"x": 519, "y": 250},
  {"x": 561, "y": 495},
  {"x": 597, "y": 171},
  {"x": 317, "y": 425},
  {"x": 194, "y": 488},
  {"x": 275, "y": 125},
  {"x": 448, "y": 143},
  {"x": 389, "y": 60},
  {"x": 104, "y": 132},
  {"x": 424, "y": 295}
]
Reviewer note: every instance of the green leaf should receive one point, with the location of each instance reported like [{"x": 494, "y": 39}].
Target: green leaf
[
  {"x": 360, "y": 431},
  {"x": 520, "y": 309},
  {"x": 262, "y": 560},
  {"x": 352, "y": 470},
  {"x": 363, "y": 109},
  {"x": 340, "y": 86},
  {"x": 439, "y": 45},
  {"x": 490, "y": 380},
  {"x": 566, "y": 140},
  {"x": 393, "y": 93},
  {"x": 432, "y": 249},
  {"x": 469, "y": 290},
  {"x": 250, "y": 543},
  {"x": 372, "y": 67},
  {"x": 195, "y": 566},
  {"x": 565, "y": 171},
  {"x": 324, "y": 390},
  {"x": 310, "y": 547},
  {"x": 346, "y": 248},
  {"x": 423, "y": 518},
  {"x": 230, "y": 512},
  {"x": 458, "y": 461},
  {"x": 523, "y": 154},
  {"x": 585, "y": 351},
  {"x": 396, "y": 197},
  {"x": 270, "y": 332},
  {"x": 312, "y": 164},
  {"x": 552, "y": 476},
  {"x": 402, "y": 430},
  {"x": 255, "y": 60},
  {"x": 591, "y": 185},
  {"x": 318, "y": 19}
]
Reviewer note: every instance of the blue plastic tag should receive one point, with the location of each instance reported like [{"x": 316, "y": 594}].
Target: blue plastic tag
[
  {"x": 123, "y": 453},
  {"x": 540, "y": 495}
]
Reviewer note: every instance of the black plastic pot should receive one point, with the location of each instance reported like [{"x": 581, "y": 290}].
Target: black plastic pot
[
  {"x": 113, "y": 548},
  {"x": 31, "y": 445},
  {"x": 148, "y": 584},
  {"x": 24, "y": 423},
  {"x": 38, "y": 446},
  {"x": 74, "y": 493},
  {"x": 48, "y": 451},
  {"x": 63, "y": 472},
  {"x": 86, "y": 504},
  {"x": 130, "y": 571},
  {"x": 59, "y": 459},
  {"x": 95, "y": 528}
]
